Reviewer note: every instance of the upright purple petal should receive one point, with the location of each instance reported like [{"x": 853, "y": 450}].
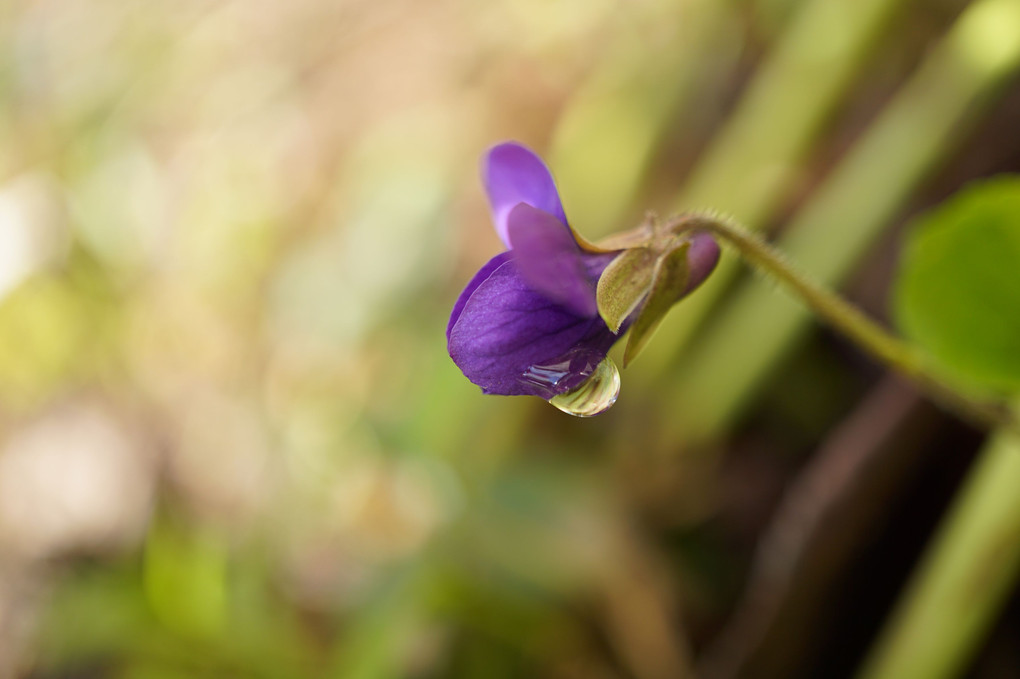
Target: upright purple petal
[
  {"x": 549, "y": 259},
  {"x": 506, "y": 327},
  {"x": 513, "y": 174}
]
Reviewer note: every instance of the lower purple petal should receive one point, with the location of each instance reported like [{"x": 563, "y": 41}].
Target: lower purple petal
[
  {"x": 472, "y": 285},
  {"x": 506, "y": 327}
]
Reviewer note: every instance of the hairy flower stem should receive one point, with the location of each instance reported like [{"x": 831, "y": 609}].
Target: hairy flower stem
[{"x": 847, "y": 319}]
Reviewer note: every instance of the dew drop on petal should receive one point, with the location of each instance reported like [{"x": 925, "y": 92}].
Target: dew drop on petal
[
  {"x": 562, "y": 374},
  {"x": 595, "y": 395}
]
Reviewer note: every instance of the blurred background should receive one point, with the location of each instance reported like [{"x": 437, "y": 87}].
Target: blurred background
[{"x": 232, "y": 443}]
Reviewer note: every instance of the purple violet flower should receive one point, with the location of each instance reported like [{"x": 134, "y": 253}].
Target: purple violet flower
[{"x": 528, "y": 323}]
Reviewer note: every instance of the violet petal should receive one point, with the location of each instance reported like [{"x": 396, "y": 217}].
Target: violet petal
[
  {"x": 513, "y": 174},
  {"x": 505, "y": 327},
  {"x": 549, "y": 259},
  {"x": 472, "y": 285}
]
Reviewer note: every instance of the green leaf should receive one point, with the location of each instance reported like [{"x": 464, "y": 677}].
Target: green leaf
[
  {"x": 185, "y": 580},
  {"x": 624, "y": 284},
  {"x": 669, "y": 281},
  {"x": 958, "y": 293}
]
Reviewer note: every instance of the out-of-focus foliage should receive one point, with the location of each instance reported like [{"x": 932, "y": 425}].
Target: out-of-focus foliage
[
  {"x": 959, "y": 288},
  {"x": 231, "y": 440}
]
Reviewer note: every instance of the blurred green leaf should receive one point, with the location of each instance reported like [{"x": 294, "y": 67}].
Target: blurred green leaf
[
  {"x": 56, "y": 328},
  {"x": 958, "y": 294},
  {"x": 185, "y": 580},
  {"x": 94, "y": 613},
  {"x": 104, "y": 612},
  {"x": 377, "y": 638}
]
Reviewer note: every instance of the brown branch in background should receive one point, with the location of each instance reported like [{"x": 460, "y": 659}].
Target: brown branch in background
[{"x": 825, "y": 516}]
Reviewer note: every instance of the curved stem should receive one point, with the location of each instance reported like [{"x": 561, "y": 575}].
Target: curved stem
[{"x": 844, "y": 317}]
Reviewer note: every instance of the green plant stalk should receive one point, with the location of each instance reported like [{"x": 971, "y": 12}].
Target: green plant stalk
[
  {"x": 755, "y": 159},
  {"x": 847, "y": 319},
  {"x": 974, "y": 560},
  {"x": 965, "y": 578},
  {"x": 835, "y": 228}
]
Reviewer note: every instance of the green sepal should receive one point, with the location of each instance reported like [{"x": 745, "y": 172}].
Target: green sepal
[
  {"x": 624, "y": 284},
  {"x": 669, "y": 281}
]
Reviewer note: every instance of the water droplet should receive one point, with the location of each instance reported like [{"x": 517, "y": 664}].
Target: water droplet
[
  {"x": 582, "y": 382},
  {"x": 595, "y": 395},
  {"x": 564, "y": 373}
]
